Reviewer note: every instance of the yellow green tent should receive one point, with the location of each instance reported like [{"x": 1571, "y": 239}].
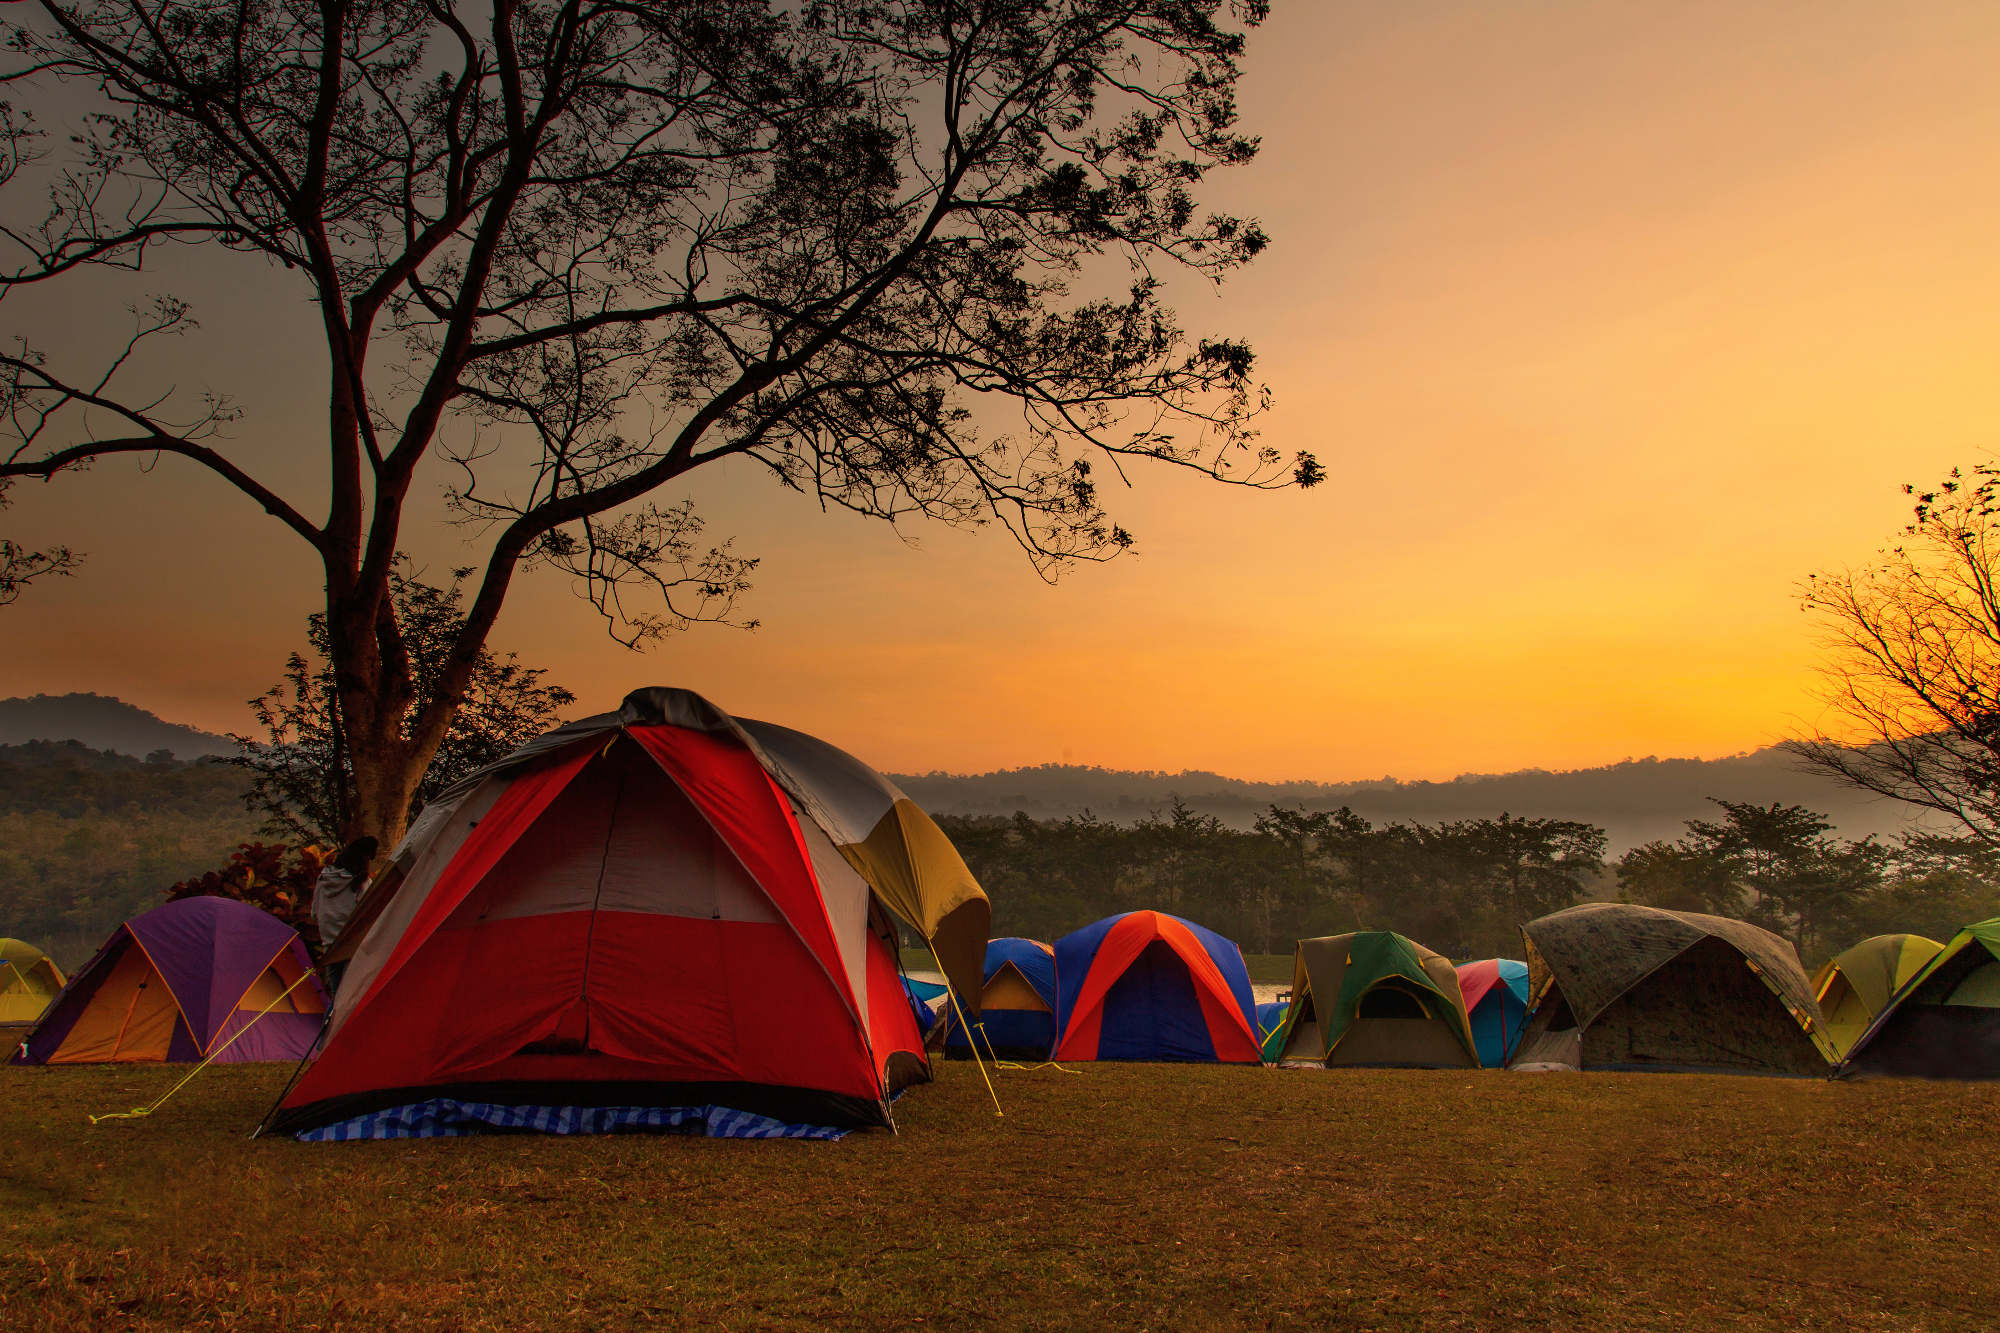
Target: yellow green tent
[
  {"x": 1374, "y": 999},
  {"x": 29, "y": 979},
  {"x": 1857, "y": 985},
  {"x": 1944, "y": 1022}
]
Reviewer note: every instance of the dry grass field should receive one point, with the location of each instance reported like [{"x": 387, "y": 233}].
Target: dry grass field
[{"x": 1115, "y": 1197}]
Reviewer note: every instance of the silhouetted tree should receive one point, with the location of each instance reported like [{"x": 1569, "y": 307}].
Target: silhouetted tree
[
  {"x": 1913, "y": 660},
  {"x": 1680, "y": 878},
  {"x": 21, "y": 565},
  {"x": 1772, "y": 865},
  {"x": 620, "y": 241}
]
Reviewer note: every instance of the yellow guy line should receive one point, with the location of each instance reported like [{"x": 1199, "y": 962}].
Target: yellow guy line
[
  {"x": 953, "y": 994},
  {"x": 138, "y": 1112}
]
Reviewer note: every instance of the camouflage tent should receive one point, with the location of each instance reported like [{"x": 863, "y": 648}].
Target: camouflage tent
[{"x": 1618, "y": 986}]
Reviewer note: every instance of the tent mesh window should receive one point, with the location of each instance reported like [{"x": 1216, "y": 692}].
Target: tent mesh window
[{"x": 1392, "y": 1002}]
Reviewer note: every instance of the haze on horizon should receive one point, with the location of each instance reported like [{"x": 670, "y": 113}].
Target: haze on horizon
[{"x": 1610, "y": 321}]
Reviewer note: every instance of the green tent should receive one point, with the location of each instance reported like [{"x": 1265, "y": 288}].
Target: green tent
[
  {"x": 1619, "y": 986},
  {"x": 1944, "y": 1022},
  {"x": 29, "y": 979},
  {"x": 1857, "y": 985},
  {"x": 1375, "y": 999}
]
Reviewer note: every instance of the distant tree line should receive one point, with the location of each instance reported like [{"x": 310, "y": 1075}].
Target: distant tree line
[
  {"x": 89, "y": 838},
  {"x": 1464, "y": 887},
  {"x": 1777, "y": 866},
  {"x": 1460, "y": 887}
]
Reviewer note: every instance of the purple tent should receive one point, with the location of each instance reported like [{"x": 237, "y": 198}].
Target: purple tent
[{"x": 178, "y": 983}]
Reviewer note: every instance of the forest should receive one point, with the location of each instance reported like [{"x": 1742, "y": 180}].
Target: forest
[
  {"x": 89, "y": 838},
  {"x": 1464, "y": 886}
]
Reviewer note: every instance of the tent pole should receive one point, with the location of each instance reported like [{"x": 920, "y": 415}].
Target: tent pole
[
  {"x": 952, "y": 992},
  {"x": 297, "y": 1070}
]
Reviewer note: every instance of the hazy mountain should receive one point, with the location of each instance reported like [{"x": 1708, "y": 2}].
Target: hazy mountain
[
  {"x": 102, "y": 723},
  {"x": 1636, "y": 801},
  {"x": 48, "y": 754}
]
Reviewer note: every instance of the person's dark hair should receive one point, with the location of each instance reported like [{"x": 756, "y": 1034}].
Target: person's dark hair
[{"x": 356, "y": 856}]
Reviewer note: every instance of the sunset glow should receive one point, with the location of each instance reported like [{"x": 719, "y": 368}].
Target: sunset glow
[{"x": 1610, "y": 322}]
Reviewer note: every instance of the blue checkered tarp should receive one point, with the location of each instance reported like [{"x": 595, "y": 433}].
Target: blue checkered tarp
[{"x": 445, "y": 1118}]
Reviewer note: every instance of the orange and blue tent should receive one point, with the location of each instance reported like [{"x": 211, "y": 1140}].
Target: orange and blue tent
[
  {"x": 662, "y": 919},
  {"x": 1149, "y": 986},
  {"x": 1017, "y": 1003},
  {"x": 1496, "y": 1003}
]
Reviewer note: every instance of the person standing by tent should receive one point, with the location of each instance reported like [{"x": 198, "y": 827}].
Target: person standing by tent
[{"x": 338, "y": 889}]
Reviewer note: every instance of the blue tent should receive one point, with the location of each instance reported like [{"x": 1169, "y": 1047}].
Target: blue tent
[
  {"x": 1017, "y": 1002},
  {"x": 922, "y": 994},
  {"x": 1496, "y": 1000},
  {"x": 1270, "y": 1021},
  {"x": 1149, "y": 986}
]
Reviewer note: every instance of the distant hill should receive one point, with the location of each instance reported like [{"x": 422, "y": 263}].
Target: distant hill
[
  {"x": 47, "y": 754},
  {"x": 1635, "y": 801},
  {"x": 102, "y": 723}
]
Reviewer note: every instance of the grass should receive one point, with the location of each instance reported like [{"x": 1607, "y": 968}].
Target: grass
[
  {"x": 1116, "y": 1197},
  {"x": 1273, "y": 969}
]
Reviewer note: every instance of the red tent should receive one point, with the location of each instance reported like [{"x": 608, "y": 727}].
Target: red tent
[{"x": 632, "y": 927}]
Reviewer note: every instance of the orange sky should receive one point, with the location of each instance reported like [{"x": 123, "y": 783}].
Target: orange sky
[{"x": 1610, "y": 321}]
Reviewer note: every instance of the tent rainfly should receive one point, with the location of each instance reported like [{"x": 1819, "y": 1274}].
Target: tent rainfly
[
  {"x": 1374, "y": 999},
  {"x": 1017, "y": 1004},
  {"x": 29, "y": 979},
  {"x": 660, "y": 919},
  {"x": 1855, "y": 986},
  {"x": 180, "y": 982},
  {"x": 1496, "y": 1002},
  {"x": 1945, "y": 1022},
  {"x": 1619, "y": 986},
  {"x": 1149, "y": 986},
  {"x": 1270, "y": 1022}
]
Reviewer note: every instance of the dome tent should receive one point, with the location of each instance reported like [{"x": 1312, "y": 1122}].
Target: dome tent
[
  {"x": 187, "y": 980},
  {"x": 1017, "y": 1004},
  {"x": 1855, "y": 986},
  {"x": 1623, "y": 987},
  {"x": 1945, "y": 1021},
  {"x": 29, "y": 979},
  {"x": 710, "y": 905},
  {"x": 1149, "y": 986},
  {"x": 1496, "y": 1004},
  {"x": 1374, "y": 999}
]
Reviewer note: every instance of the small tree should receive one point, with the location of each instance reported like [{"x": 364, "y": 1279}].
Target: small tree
[
  {"x": 1535, "y": 866},
  {"x": 258, "y": 874},
  {"x": 303, "y": 778},
  {"x": 1679, "y": 877},
  {"x": 1299, "y": 873},
  {"x": 1913, "y": 660}
]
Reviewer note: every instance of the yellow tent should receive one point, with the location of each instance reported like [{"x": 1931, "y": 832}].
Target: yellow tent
[
  {"x": 29, "y": 979},
  {"x": 1856, "y": 985}
]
